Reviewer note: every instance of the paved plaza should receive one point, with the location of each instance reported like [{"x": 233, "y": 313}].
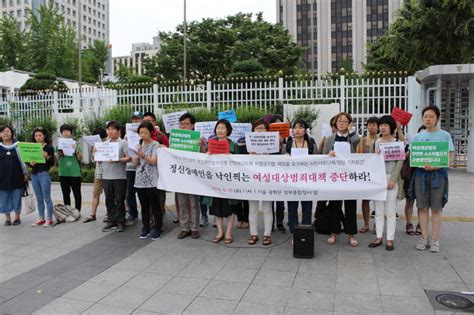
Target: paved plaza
[{"x": 78, "y": 269}]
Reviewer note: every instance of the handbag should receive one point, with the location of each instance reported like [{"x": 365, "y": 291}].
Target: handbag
[{"x": 28, "y": 202}]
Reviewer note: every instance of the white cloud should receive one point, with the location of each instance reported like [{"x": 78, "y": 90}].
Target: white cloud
[{"x": 140, "y": 20}]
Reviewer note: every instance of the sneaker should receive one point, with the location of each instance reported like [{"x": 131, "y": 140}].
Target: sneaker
[
  {"x": 156, "y": 235},
  {"x": 129, "y": 222},
  {"x": 434, "y": 246},
  {"x": 145, "y": 233},
  {"x": 109, "y": 227},
  {"x": 39, "y": 222},
  {"x": 281, "y": 228},
  {"x": 204, "y": 222},
  {"x": 120, "y": 227},
  {"x": 398, "y": 217},
  {"x": 48, "y": 223},
  {"x": 183, "y": 234},
  {"x": 372, "y": 214},
  {"x": 422, "y": 244}
]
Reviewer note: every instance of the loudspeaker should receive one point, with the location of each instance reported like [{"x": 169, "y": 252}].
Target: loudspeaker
[{"x": 303, "y": 241}]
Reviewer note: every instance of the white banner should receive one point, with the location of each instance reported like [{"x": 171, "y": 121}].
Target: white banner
[
  {"x": 262, "y": 142},
  {"x": 273, "y": 177}
]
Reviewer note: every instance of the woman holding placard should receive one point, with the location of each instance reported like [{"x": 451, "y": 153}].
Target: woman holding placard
[
  {"x": 430, "y": 184},
  {"x": 221, "y": 207},
  {"x": 346, "y": 142},
  {"x": 393, "y": 166},
  {"x": 300, "y": 144},
  {"x": 364, "y": 146},
  {"x": 260, "y": 126},
  {"x": 14, "y": 175},
  {"x": 41, "y": 179}
]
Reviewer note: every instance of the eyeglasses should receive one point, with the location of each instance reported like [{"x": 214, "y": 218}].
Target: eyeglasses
[
  {"x": 185, "y": 124},
  {"x": 342, "y": 122}
]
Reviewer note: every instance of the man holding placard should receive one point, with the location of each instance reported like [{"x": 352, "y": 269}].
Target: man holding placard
[
  {"x": 114, "y": 176},
  {"x": 188, "y": 205}
]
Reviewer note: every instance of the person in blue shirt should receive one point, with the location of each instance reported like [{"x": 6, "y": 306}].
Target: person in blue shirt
[{"x": 430, "y": 184}]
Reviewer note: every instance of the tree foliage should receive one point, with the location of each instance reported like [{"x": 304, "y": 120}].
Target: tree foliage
[
  {"x": 235, "y": 45},
  {"x": 11, "y": 42},
  {"x": 427, "y": 32}
]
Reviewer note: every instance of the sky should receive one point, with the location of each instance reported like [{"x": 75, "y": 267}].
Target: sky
[{"x": 139, "y": 20}]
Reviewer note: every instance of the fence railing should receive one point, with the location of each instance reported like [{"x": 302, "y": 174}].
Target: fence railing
[{"x": 362, "y": 97}]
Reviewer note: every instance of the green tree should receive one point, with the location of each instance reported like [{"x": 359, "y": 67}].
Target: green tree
[
  {"x": 218, "y": 47},
  {"x": 98, "y": 54},
  {"x": 11, "y": 42},
  {"x": 426, "y": 32}
]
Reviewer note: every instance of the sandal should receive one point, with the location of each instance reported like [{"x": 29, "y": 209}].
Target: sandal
[
  {"x": 7, "y": 223},
  {"x": 418, "y": 229},
  {"x": 239, "y": 225},
  {"x": 353, "y": 241},
  {"x": 228, "y": 240},
  {"x": 409, "y": 229},
  {"x": 253, "y": 239},
  {"x": 363, "y": 229},
  {"x": 217, "y": 239},
  {"x": 245, "y": 225},
  {"x": 375, "y": 243},
  {"x": 267, "y": 240},
  {"x": 332, "y": 240},
  {"x": 89, "y": 219}
]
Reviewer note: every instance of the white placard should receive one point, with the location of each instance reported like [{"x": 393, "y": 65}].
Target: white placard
[
  {"x": 91, "y": 140},
  {"x": 299, "y": 151},
  {"x": 206, "y": 128},
  {"x": 342, "y": 147},
  {"x": 133, "y": 139},
  {"x": 67, "y": 145},
  {"x": 393, "y": 151},
  {"x": 171, "y": 121},
  {"x": 326, "y": 130},
  {"x": 262, "y": 142},
  {"x": 273, "y": 177},
  {"x": 106, "y": 151}
]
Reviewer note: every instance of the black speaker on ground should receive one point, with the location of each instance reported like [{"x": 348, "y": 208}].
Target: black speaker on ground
[{"x": 303, "y": 241}]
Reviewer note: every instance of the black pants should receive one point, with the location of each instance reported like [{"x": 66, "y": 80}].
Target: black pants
[
  {"x": 279, "y": 212},
  {"x": 150, "y": 198},
  {"x": 74, "y": 183},
  {"x": 320, "y": 206},
  {"x": 348, "y": 218},
  {"x": 114, "y": 190},
  {"x": 242, "y": 211},
  {"x": 131, "y": 191}
]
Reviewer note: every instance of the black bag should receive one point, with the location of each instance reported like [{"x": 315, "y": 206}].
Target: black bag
[
  {"x": 406, "y": 171},
  {"x": 321, "y": 222}
]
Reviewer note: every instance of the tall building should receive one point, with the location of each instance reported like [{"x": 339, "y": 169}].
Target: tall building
[
  {"x": 90, "y": 18},
  {"x": 138, "y": 54},
  {"x": 336, "y": 32}
]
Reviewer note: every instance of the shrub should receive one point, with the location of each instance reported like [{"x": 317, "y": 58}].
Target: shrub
[
  {"x": 250, "y": 114},
  {"x": 76, "y": 125},
  {"x": 307, "y": 114},
  {"x": 49, "y": 124}
]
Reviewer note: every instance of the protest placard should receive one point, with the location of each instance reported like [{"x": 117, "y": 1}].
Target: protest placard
[
  {"x": 273, "y": 177},
  {"x": 218, "y": 147},
  {"x": 326, "y": 130},
  {"x": 171, "y": 121},
  {"x": 342, "y": 147},
  {"x": 106, "y": 151},
  {"x": 185, "y": 140},
  {"x": 206, "y": 128},
  {"x": 403, "y": 117},
  {"x": 239, "y": 130},
  {"x": 133, "y": 139},
  {"x": 299, "y": 152},
  {"x": 435, "y": 154},
  {"x": 230, "y": 115},
  {"x": 31, "y": 152},
  {"x": 91, "y": 140},
  {"x": 262, "y": 142},
  {"x": 392, "y": 151},
  {"x": 67, "y": 145},
  {"x": 283, "y": 128}
]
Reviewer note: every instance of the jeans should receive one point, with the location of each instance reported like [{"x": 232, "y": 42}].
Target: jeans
[
  {"x": 10, "y": 200},
  {"x": 279, "y": 212},
  {"x": 307, "y": 208},
  {"x": 131, "y": 200},
  {"x": 115, "y": 199},
  {"x": 203, "y": 208},
  {"x": 74, "y": 183},
  {"x": 42, "y": 188}
]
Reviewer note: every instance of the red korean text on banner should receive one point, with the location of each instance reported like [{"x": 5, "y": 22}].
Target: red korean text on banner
[
  {"x": 282, "y": 128},
  {"x": 403, "y": 117},
  {"x": 218, "y": 147}
]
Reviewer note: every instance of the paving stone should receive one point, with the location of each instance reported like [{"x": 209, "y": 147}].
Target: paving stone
[
  {"x": 62, "y": 306},
  {"x": 149, "y": 281},
  {"x": 401, "y": 286},
  {"x": 322, "y": 300},
  {"x": 250, "y": 308},
  {"x": 267, "y": 295},
  {"x": 346, "y": 303},
  {"x": 203, "y": 305},
  {"x": 405, "y": 305},
  {"x": 57, "y": 286},
  {"x": 183, "y": 285},
  {"x": 357, "y": 283},
  {"x": 199, "y": 271},
  {"x": 298, "y": 310},
  {"x": 127, "y": 297},
  {"x": 167, "y": 303},
  {"x": 313, "y": 281},
  {"x": 281, "y": 264},
  {"x": 90, "y": 291},
  {"x": 236, "y": 274},
  {"x": 103, "y": 309},
  {"x": 82, "y": 272},
  {"x": 114, "y": 276},
  {"x": 273, "y": 277},
  {"x": 25, "y": 303},
  {"x": 224, "y": 290}
]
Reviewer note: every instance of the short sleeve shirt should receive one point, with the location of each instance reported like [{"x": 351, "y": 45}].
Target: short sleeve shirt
[
  {"x": 435, "y": 136},
  {"x": 111, "y": 171},
  {"x": 146, "y": 174},
  {"x": 69, "y": 166}
]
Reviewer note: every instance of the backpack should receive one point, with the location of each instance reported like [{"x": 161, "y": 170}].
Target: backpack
[{"x": 65, "y": 213}]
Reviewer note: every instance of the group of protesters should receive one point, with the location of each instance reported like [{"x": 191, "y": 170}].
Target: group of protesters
[{"x": 130, "y": 176}]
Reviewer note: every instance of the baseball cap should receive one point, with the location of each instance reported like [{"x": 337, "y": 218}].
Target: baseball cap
[{"x": 137, "y": 115}]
